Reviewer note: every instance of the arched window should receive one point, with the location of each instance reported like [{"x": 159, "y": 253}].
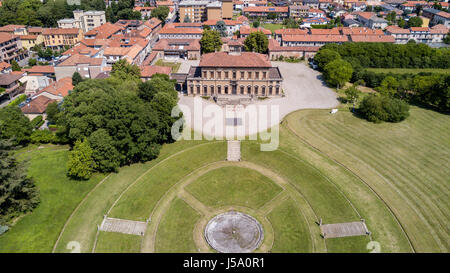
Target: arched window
[
  {"x": 205, "y": 90},
  {"x": 249, "y": 90},
  {"x": 211, "y": 89},
  {"x": 270, "y": 90},
  {"x": 256, "y": 90},
  {"x": 219, "y": 90},
  {"x": 263, "y": 90},
  {"x": 242, "y": 90},
  {"x": 226, "y": 89}
]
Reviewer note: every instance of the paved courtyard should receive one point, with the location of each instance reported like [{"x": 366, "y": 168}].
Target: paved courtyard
[{"x": 303, "y": 90}]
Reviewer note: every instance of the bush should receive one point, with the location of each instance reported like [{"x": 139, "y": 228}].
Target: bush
[
  {"x": 81, "y": 164},
  {"x": 382, "y": 108},
  {"x": 18, "y": 100},
  {"x": 43, "y": 136},
  {"x": 37, "y": 122}
]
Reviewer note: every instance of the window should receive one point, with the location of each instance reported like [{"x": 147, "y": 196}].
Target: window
[
  {"x": 219, "y": 89},
  {"x": 263, "y": 90},
  {"x": 257, "y": 75},
  {"x": 234, "y": 74},
  {"x": 205, "y": 90},
  {"x": 249, "y": 74},
  {"x": 242, "y": 89},
  {"x": 211, "y": 74},
  {"x": 211, "y": 89},
  {"x": 256, "y": 90},
  {"x": 226, "y": 74},
  {"x": 242, "y": 75},
  {"x": 226, "y": 89},
  {"x": 204, "y": 74},
  {"x": 264, "y": 75},
  {"x": 219, "y": 74},
  {"x": 249, "y": 89}
]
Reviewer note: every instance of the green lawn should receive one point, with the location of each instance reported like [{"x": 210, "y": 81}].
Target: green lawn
[
  {"x": 38, "y": 230},
  {"x": 83, "y": 225},
  {"x": 291, "y": 230},
  {"x": 138, "y": 202},
  {"x": 175, "y": 66},
  {"x": 272, "y": 27},
  {"x": 112, "y": 242},
  {"x": 354, "y": 244},
  {"x": 402, "y": 162},
  {"x": 409, "y": 70},
  {"x": 175, "y": 232},
  {"x": 234, "y": 186}
]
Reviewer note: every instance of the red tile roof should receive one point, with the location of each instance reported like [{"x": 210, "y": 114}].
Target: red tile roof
[
  {"x": 315, "y": 38},
  {"x": 4, "y": 65},
  {"x": 291, "y": 31},
  {"x": 245, "y": 59},
  {"x": 373, "y": 38},
  {"x": 104, "y": 31},
  {"x": 149, "y": 70},
  {"x": 11, "y": 28},
  {"x": 59, "y": 88},
  {"x": 61, "y": 31},
  {"x": 361, "y": 31},
  {"x": 332, "y": 31},
  {"x": 81, "y": 59},
  {"x": 4, "y": 37},
  {"x": 37, "y": 106},
  {"x": 227, "y": 22},
  {"x": 266, "y": 9},
  {"x": 246, "y": 30},
  {"x": 42, "y": 69},
  {"x": 275, "y": 46},
  {"x": 28, "y": 37}
]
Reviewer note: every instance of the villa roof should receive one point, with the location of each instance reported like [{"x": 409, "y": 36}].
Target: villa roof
[{"x": 245, "y": 59}]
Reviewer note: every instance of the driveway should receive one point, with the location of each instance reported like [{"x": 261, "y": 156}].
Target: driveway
[{"x": 302, "y": 87}]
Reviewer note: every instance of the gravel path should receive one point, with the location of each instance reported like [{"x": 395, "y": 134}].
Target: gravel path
[{"x": 303, "y": 90}]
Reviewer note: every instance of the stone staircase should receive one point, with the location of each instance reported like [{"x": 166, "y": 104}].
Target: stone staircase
[{"x": 234, "y": 150}]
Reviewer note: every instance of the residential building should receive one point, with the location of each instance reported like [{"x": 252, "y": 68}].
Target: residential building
[
  {"x": 312, "y": 39},
  {"x": 36, "y": 107},
  {"x": 244, "y": 31},
  {"x": 87, "y": 67},
  {"x": 11, "y": 48},
  {"x": 5, "y": 68},
  {"x": 370, "y": 19},
  {"x": 10, "y": 82},
  {"x": 148, "y": 71},
  {"x": 86, "y": 20},
  {"x": 298, "y": 11},
  {"x": 14, "y": 29},
  {"x": 181, "y": 31},
  {"x": 281, "y": 12},
  {"x": 437, "y": 16},
  {"x": 145, "y": 11},
  {"x": 57, "y": 90},
  {"x": 230, "y": 25},
  {"x": 58, "y": 38},
  {"x": 171, "y": 49},
  {"x": 275, "y": 51},
  {"x": 104, "y": 31},
  {"x": 435, "y": 34},
  {"x": 308, "y": 22},
  {"x": 245, "y": 73}
]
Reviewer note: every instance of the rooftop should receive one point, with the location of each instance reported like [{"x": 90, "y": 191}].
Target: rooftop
[{"x": 245, "y": 59}]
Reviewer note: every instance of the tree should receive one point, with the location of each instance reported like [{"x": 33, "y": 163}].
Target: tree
[
  {"x": 14, "y": 125},
  {"x": 256, "y": 42},
  {"x": 221, "y": 28},
  {"x": 256, "y": 24},
  {"x": 81, "y": 164},
  {"x": 18, "y": 193},
  {"x": 52, "y": 112},
  {"x": 161, "y": 13},
  {"x": 210, "y": 41},
  {"x": 104, "y": 154},
  {"x": 338, "y": 72},
  {"x": 290, "y": 23},
  {"x": 324, "y": 56},
  {"x": 388, "y": 86},
  {"x": 15, "y": 66},
  {"x": 272, "y": 16},
  {"x": 391, "y": 16},
  {"x": 352, "y": 94},
  {"x": 124, "y": 71},
  {"x": 76, "y": 78},
  {"x": 129, "y": 14},
  {"x": 415, "y": 22},
  {"x": 32, "y": 62},
  {"x": 377, "y": 108}
]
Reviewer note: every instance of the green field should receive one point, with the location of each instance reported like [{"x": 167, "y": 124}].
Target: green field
[
  {"x": 408, "y": 70},
  {"x": 401, "y": 162},
  {"x": 38, "y": 231},
  {"x": 233, "y": 186},
  {"x": 174, "y": 66},
  {"x": 272, "y": 27},
  {"x": 337, "y": 168}
]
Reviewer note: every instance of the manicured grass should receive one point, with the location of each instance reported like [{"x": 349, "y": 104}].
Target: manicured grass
[
  {"x": 409, "y": 70},
  {"x": 234, "y": 186},
  {"x": 402, "y": 162},
  {"x": 175, "y": 232},
  {"x": 354, "y": 244},
  {"x": 175, "y": 66},
  {"x": 291, "y": 230},
  {"x": 138, "y": 202},
  {"x": 272, "y": 27},
  {"x": 323, "y": 196},
  {"x": 38, "y": 230},
  {"x": 112, "y": 242},
  {"x": 83, "y": 225}
]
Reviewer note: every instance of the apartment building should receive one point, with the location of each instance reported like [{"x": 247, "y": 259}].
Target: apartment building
[
  {"x": 57, "y": 38},
  {"x": 419, "y": 34},
  {"x": 199, "y": 11},
  {"x": 85, "y": 20},
  {"x": 11, "y": 48}
]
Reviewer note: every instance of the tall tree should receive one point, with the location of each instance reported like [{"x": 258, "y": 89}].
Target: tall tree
[
  {"x": 256, "y": 42},
  {"x": 76, "y": 78},
  {"x": 210, "y": 41},
  {"x": 15, "y": 66},
  {"x": 81, "y": 164},
  {"x": 221, "y": 28},
  {"x": 415, "y": 22},
  {"x": 338, "y": 72},
  {"x": 18, "y": 193},
  {"x": 14, "y": 125},
  {"x": 161, "y": 13},
  {"x": 324, "y": 56}
]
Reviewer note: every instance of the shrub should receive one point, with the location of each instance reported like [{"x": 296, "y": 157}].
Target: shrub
[
  {"x": 37, "y": 122},
  {"x": 43, "y": 136},
  {"x": 383, "y": 108},
  {"x": 18, "y": 100}
]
